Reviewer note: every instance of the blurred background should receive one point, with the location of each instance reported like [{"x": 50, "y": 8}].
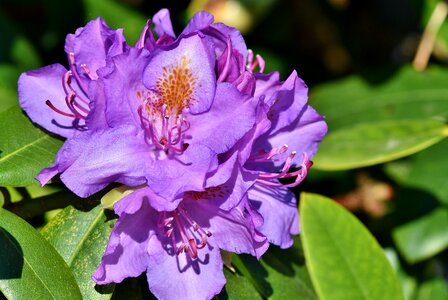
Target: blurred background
[{"x": 344, "y": 50}]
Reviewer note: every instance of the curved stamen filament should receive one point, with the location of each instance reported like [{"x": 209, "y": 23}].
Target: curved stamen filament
[
  {"x": 181, "y": 226},
  {"x": 72, "y": 63},
  {"x": 164, "y": 130},
  {"x": 265, "y": 178},
  {"x": 264, "y": 156}
]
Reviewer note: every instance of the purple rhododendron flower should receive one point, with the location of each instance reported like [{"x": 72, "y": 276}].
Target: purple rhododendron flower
[{"x": 195, "y": 129}]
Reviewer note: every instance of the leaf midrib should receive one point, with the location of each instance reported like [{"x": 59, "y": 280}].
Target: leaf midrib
[
  {"x": 23, "y": 148},
  {"x": 27, "y": 263},
  {"x": 84, "y": 238}
]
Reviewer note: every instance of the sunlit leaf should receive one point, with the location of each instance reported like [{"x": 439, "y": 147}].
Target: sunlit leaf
[
  {"x": 30, "y": 267},
  {"x": 25, "y": 149},
  {"x": 344, "y": 260},
  {"x": 80, "y": 237},
  {"x": 406, "y": 95},
  {"x": 373, "y": 143},
  {"x": 424, "y": 237}
]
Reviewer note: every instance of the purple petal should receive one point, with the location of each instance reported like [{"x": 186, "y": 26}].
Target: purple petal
[
  {"x": 231, "y": 116},
  {"x": 192, "y": 58},
  {"x": 146, "y": 39},
  {"x": 244, "y": 145},
  {"x": 126, "y": 205},
  {"x": 219, "y": 33},
  {"x": 92, "y": 160},
  {"x": 246, "y": 83},
  {"x": 267, "y": 85},
  {"x": 123, "y": 88},
  {"x": 127, "y": 250},
  {"x": 200, "y": 20},
  {"x": 288, "y": 102},
  {"x": 230, "y": 64},
  {"x": 162, "y": 23},
  {"x": 96, "y": 119},
  {"x": 278, "y": 207},
  {"x": 232, "y": 230},
  {"x": 293, "y": 121},
  {"x": 92, "y": 44},
  {"x": 302, "y": 136},
  {"x": 170, "y": 177},
  {"x": 228, "y": 193},
  {"x": 238, "y": 42},
  {"x": 35, "y": 88},
  {"x": 170, "y": 276}
]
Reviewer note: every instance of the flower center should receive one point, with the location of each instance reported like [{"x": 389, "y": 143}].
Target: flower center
[
  {"x": 265, "y": 178},
  {"x": 75, "y": 100},
  {"x": 186, "y": 235},
  {"x": 164, "y": 108}
]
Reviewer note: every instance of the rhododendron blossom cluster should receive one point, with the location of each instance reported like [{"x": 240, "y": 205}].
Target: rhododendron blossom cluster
[{"x": 196, "y": 131}]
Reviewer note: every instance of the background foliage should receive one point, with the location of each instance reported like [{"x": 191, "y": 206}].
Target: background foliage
[{"x": 384, "y": 157}]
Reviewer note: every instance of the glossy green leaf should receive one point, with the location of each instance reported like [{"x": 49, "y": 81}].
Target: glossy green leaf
[
  {"x": 406, "y": 95},
  {"x": 377, "y": 142},
  {"x": 281, "y": 274},
  {"x": 424, "y": 237},
  {"x": 117, "y": 15},
  {"x": 80, "y": 237},
  {"x": 344, "y": 260},
  {"x": 432, "y": 290},
  {"x": 415, "y": 172},
  {"x": 25, "y": 149},
  {"x": 30, "y": 267},
  {"x": 238, "y": 287}
]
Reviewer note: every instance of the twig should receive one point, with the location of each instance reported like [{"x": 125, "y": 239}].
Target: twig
[{"x": 428, "y": 40}]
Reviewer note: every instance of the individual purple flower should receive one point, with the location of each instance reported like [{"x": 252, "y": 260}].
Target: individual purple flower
[
  {"x": 156, "y": 107},
  {"x": 179, "y": 248},
  {"x": 61, "y": 100},
  {"x": 286, "y": 136}
]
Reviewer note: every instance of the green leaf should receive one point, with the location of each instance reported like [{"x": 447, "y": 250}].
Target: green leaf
[
  {"x": 281, "y": 274},
  {"x": 377, "y": 142},
  {"x": 344, "y": 260},
  {"x": 407, "y": 95},
  {"x": 29, "y": 267},
  {"x": 8, "y": 86},
  {"x": 415, "y": 172},
  {"x": 238, "y": 287},
  {"x": 424, "y": 237},
  {"x": 433, "y": 289},
  {"x": 117, "y": 15},
  {"x": 25, "y": 149},
  {"x": 81, "y": 237}
]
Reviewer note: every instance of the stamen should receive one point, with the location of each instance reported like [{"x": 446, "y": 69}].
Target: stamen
[
  {"x": 163, "y": 130},
  {"x": 251, "y": 64},
  {"x": 72, "y": 63},
  {"x": 265, "y": 178},
  {"x": 263, "y": 156},
  {"x": 192, "y": 236},
  {"x": 48, "y": 102}
]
